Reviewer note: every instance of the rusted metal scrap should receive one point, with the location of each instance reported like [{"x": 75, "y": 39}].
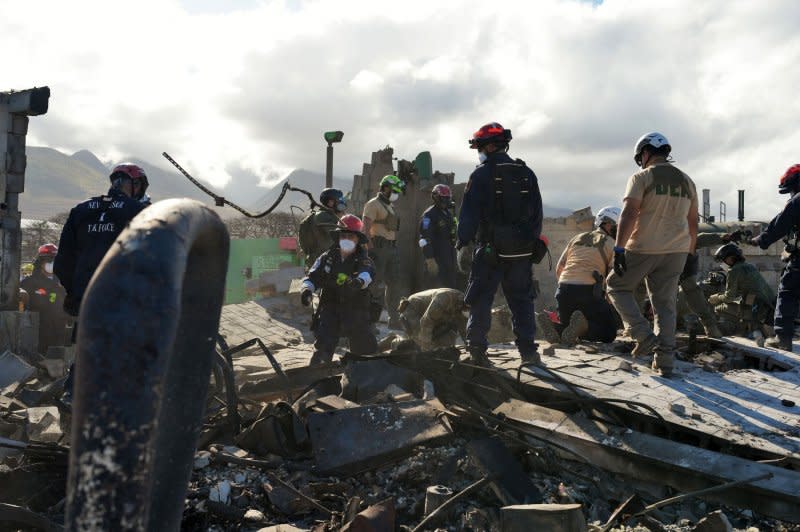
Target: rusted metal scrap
[{"x": 355, "y": 439}]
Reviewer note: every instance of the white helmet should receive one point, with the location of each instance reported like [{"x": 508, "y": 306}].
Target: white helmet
[
  {"x": 607, "y": 214},
  {"x": 653, "y": 139}
]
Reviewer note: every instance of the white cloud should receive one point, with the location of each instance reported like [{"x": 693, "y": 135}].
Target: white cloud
[
  {"x": 251, "y": 85},
  {"x": 366, "y": 80}
]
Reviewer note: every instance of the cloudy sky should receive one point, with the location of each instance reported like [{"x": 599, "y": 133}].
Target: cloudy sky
[{"x": 243, "y": 89}]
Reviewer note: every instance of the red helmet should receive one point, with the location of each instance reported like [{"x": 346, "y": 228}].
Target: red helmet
[
  {"x": 443, "y": 191},
  {"x": 790, "y": 180},
  {"x": 48, "y": 250},
  {"x": 133, "y": 172},
  {"x": 489, "y": 134},
  {"x": 350, "y": 223}
]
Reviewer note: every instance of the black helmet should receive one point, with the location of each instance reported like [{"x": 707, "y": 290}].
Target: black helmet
[
  {"x": 728, "y": 250},
  {"x": 333, "y": 194}
]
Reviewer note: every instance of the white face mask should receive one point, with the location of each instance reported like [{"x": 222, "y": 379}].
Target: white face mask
[
  {"x": 394, "y": 196},
  {"x": 347, "y": 246},
  {"x": 482, "y": 157},
  {"x": 48, "y": 267}
]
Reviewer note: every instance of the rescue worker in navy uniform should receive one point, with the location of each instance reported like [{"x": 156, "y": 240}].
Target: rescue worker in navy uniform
[
  {"x": 785, "y": 224},
  {"x": 437, "y": 232},
  {"x": 46, "y": 296},
  {"x": 343, "y": 273},
  {"x": 91, "y": 228},
  {"x": 502, "y": 212}
]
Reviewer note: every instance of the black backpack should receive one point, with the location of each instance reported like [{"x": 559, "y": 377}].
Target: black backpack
[
  {"x": 511, "y": 222},
  {"x": 307, "y": 235}
]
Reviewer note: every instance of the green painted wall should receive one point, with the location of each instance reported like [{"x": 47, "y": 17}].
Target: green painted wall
[{"x": 261, "y": 254}]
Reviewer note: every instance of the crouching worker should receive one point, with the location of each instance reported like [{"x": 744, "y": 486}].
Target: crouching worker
[
  {"x": 342, "y": 273},
  {"x": 748, "y": 303},
  {"x": 434, "y": 318},
  {"x": 581, "y": 273}
]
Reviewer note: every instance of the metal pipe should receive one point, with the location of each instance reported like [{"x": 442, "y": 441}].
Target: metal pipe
[
  {"x": 741, "y": 205},
  {"x": 145, "y": 348},
  {"x": 329, "y": 166}
]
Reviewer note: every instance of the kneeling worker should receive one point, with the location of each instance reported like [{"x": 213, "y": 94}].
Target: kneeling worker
[
  {"x": 343, "y": 273},
  {"x": 747, "y": 297},
  {"x": 581, "y": 272},
  {"x": 434, "y": 318}
]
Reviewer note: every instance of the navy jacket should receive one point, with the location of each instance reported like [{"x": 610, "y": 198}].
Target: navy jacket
[
  {"x": 90, "y": 230},
  {"x": 478, "y": 203},
  {"x": 437, "y": 227},
  {"x": 785, "y": 222},
  {"x": 332, "y": 275}
]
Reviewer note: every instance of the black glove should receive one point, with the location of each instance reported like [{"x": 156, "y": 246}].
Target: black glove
[
  {"x": 620, "y": 266},
  {"x": 691, "y": 266},
  {"x": 355, "y": 283},
  {"x": 305, "y": 297}
]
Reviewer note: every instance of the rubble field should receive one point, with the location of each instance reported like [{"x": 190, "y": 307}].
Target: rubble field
[{"x": 590, "y": 440}]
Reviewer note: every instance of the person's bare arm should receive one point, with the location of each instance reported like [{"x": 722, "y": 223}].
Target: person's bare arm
[
  {"x": 367, "y": 226},
  {"x": 692, "y": 219},
  {"x": 627, "y": 220},
  {"x": 561, "y": 263}
]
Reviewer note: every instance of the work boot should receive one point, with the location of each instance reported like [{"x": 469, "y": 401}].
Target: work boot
[
  {"x": 712, "y": 329},
  {"x": 646, "y": 346},
  {"x": 779, "y": 342},
  {"x": 758, "y": 337},
  {"x": 478, "y": 356},
  {"x": 530, "y": 358},
  {"x": 663, "y": 362},
  {"x": 577, "y": 328},
  {"x": 547, "y": 328},
  {"x": 319, "y": 358}
]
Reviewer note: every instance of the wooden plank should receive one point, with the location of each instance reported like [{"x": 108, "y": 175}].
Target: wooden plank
[{"x": 655, "y": 459}]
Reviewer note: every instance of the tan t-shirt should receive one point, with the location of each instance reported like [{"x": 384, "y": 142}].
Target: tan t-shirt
[
  {"x": 584, "y": 254},
  {"x": 666, "y": 195},
  {"x": 378, "y": 212}
]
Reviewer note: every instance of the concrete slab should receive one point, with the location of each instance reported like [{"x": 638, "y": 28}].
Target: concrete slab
[{"x": 13, "y": 369}]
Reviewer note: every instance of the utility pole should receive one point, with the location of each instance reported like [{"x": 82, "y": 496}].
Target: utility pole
[{"x": 330, "y": 137}]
